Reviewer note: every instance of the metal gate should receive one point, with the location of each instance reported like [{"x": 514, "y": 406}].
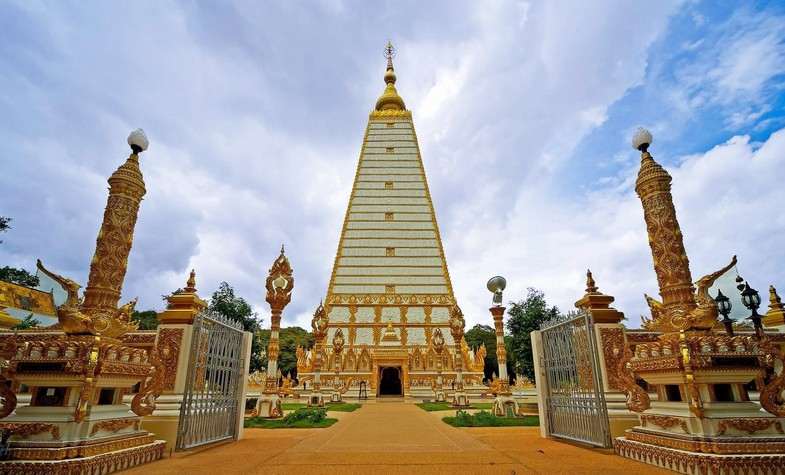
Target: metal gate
[
  {"x": 212, "y": 400},
  {"x": 574, "y": 399}
]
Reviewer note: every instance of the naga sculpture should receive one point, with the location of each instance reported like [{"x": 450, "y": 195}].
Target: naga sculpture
[
  {"x": 74, "y": 321},
  {"x": 703, "y": 316}
]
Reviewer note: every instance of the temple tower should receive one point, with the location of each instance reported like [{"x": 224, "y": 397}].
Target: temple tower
[{"x": 390, "y": 277}]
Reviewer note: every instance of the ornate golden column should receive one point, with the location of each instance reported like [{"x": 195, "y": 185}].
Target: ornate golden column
[
  {"x": 338, "y": 343},
  {"x": 671, "y": 264},
  {"x": 319, "y": 327},
  {"x": 108, "y": 267},
  {"x": 279, "y": 285},
  {"x": 457, "y": 324},
  {"x": 438, "y": 346}
]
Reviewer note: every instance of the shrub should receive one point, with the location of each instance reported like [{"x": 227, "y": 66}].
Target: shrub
[{"x": 313, "y": 415}]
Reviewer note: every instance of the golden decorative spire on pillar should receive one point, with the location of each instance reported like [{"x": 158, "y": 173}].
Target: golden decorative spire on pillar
[
  {"x": 598, "y": 304},
  {"x": 183, "y": 305},
  {"x": 682, "y": 307},
  {"x": 97, "y": 313},
  {"x": 390, "y": 100},
  {"x": 671, "y": 264},
  {"x": 776, "y": 314}
]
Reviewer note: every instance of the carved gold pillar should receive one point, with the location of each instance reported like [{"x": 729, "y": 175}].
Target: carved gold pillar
[
  {"x": 501, "y": 351},
  {"x": 671, "y": 264},
  {"x": 319, "y": 327},
  {"x": 457, "y": 324},
  {"x": 109, "y": 263}
]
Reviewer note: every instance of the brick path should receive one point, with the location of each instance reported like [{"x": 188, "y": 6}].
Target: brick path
[{"x": 396, "y": 438}]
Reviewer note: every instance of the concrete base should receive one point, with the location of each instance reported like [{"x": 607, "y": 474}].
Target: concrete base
[
  {"x": 335, "y": 396},
  {"x": 269, "y": 406},
  {"x": 164, "y": 428}
]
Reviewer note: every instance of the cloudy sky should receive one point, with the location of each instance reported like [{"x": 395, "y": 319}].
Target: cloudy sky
[{"x": 256, "y": 110}]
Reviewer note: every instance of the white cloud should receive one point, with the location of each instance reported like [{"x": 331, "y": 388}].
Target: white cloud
[
  {"x": 728, "y": 200},
  {"x": 256, "y": 116}
]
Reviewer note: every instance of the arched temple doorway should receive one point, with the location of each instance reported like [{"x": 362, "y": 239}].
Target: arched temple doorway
[{"x": 390, "y": 381}]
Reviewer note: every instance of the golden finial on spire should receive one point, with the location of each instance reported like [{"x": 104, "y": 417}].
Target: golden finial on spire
[
  {"x": 389, "y": 53},
  {"x": 390, "y": 100},
  {"x": 591, "y": 286},
  {"x": 190, "y": 286}
]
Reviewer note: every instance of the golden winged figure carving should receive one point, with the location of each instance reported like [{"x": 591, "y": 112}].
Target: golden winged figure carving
[
  {"x": 73, "y": 321},
  {"x": 704, "y": 315}
]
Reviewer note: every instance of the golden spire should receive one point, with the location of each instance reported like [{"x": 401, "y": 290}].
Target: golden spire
[
  {"x": 190, "y": 286},
  {"x": 591, "y": 286},
  {"x": 390, "y": 100},
  {"x": 776, "y": 314}
]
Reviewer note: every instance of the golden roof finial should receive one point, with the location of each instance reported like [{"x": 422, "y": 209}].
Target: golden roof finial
[
  {"x": 390, "y": 100},
  {"x": 389, "y": 53},
  {"x": 190, "y": 286},
  {"x": 591, "y": 286},
  {"x": 774, "y": 299}
]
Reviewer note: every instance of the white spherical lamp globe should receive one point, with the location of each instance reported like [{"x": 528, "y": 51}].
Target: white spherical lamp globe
[
  {"x": 641, "y": 139},
  {"x": 138, "y": 140}
]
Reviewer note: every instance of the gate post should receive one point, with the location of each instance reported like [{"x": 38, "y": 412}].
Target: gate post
[
  {"x": 610, "y": 340},
  {"x": 540, "y": 381},
  {"x": 176, "y": 328},
  {"x": 247, "y": 337}
]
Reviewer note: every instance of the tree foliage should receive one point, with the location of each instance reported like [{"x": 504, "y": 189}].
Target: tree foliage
[
  {"x": 18, "y": 276},
  {"x": 288, "y": 339},
  {"x": 226, "y": 303},
  {"x": 486, "y": 334},
  {"x": 526, "y": 316},
  {"x": 12, "y": 274},
  {"x": 5, "y": 225},
  {"x": 148, "y": 319},
  {"x": 27, "y": 323}
]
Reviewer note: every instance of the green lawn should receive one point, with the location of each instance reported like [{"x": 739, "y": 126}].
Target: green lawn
[
  {"x": 301, "y": 418},
  {"x": 330, "y": 406},
  {"x": 486, "y": 419},
  {"x": 261, "y": 423},
  {"x": 445, "y": 406}
]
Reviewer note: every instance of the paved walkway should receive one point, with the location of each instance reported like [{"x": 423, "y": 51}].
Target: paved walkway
[{"x": 396, "y": 438}]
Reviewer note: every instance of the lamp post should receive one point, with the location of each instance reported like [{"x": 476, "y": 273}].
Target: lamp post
[
  {"x": 496, "y": 285},
  {"x": 504, "y": 404},
  {"x": 751, "y": 299},
  {"x": 724, "y": 306}
]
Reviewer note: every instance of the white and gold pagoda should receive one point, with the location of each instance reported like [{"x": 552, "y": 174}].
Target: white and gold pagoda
[{"x": 390, "y": 289}]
